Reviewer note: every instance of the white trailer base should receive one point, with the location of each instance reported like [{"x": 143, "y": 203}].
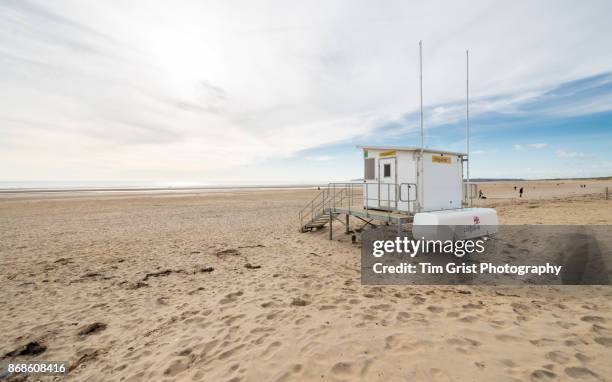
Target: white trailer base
[{"x": 465, "y": 223}]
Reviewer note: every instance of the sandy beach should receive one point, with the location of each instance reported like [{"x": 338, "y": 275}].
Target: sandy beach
[{"x": 221, "y": 286}]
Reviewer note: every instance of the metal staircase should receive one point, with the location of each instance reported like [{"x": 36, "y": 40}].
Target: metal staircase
[
  {"x": 318, "y": 212},
  {"x": 318, "y": 222}
]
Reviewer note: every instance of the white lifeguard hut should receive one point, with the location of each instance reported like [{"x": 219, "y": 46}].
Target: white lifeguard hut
[
  {"x": 392, "y": 181},
  {"x": 406, "y": 185}
]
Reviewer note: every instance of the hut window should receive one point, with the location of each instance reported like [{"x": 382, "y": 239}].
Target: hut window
[
  {"x": 387, "y": 171},
  {"x": 369, "y": 172}
]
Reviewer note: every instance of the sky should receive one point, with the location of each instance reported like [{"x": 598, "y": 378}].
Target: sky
[{"x": 282, "y": 92}]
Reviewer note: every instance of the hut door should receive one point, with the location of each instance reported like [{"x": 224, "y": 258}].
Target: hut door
[{"x": 387, "y": 180}]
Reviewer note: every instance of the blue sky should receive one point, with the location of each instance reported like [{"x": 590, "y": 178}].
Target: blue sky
[
  {"x": 217, "y": 92},
  {"x": 562, "y": 132}
]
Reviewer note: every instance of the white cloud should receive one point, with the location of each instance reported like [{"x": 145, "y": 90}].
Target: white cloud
[
  {"x": 570, "y": 154},
  {"x": 153, "y": 90},
  {"x": 537, "y": 146},
  {"x": 533, "y": 146}
]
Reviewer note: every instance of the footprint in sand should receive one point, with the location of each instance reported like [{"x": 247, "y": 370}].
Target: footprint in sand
[
  {"x": 598, "y": 329},
  {"x": 580, "y": 373},
  {"x": 272, "y": 315},
  {"x": 521, "y": 309},
  {"x": 175, "y": 368},
  {"x": 558, "y": 357},
  {"x": 230, "y": 352},
  {"x": 271, "y": 348},
  {"x": 594, "y": 319},
  {"x": 327, "y": 307},
  {"x": 507, "y": 338},
  {"x": 583, "y": 357},
  {"x": 365, "y": 367},
  {"x": 543, "y": 375},
  {"x": 571, "y": 343},
  {"x": 368, "y": 317},
  {"x": 229, "y": 320},
  {"x": 300, "y": 321},
  {"x": 382, "y": 307},
  {"x": 403, "y": 317},
  {"x": 542, "y": 342},
  {"x": 297, "y": 301},
  {"x": 605, "y": 341},
  {"x": 391, "y": 342},
  {"x": 435, "y": 309},
  {"x": 230, "y": 297},
  {"x": 565, "y": 325},
  {"x": 342, "y": 369}
]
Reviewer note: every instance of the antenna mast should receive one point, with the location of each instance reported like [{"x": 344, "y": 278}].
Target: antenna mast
[
  {"x": 467, "y": 117},
  {"x": 421, "y": 89},
  {"x": 422, "y": 133}
]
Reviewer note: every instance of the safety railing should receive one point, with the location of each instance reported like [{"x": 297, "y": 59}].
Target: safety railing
[
  {"x": 388, "y": 196},
  {"x": 314, "y": 206},
  {"x": 376, "y": 196},
  {"x": 400, "y": 197}
]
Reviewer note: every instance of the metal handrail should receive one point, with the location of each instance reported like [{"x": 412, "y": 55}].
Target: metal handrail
[
  {"x": 350, "y": 187},
  {"x": 346, "y": 195},
  {"x": 311, "y": 206},
  {"x": 325, "y": 199}
]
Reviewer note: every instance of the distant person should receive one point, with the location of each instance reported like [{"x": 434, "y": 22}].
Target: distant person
[
  {"x": 521, "y": 192},
  {"x": 514, "y": 188},
  {"x": 481, "y": 195}
]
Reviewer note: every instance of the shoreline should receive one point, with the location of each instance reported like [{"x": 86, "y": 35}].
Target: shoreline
[{"x": 154, "y": 189}]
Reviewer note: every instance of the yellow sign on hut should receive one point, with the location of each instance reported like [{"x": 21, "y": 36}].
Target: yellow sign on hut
[
  {"x": 390, "y": 153},
  {"x": 441, "y": 159}
]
